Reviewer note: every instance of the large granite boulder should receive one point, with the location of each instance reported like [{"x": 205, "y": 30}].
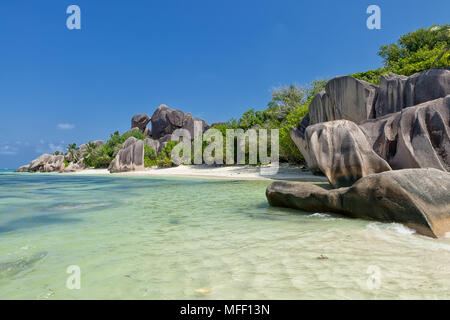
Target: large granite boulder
[
  {"x": 405, "y": 121},
  {"x": 418, "y": 198},
  {"x": 98, "y": 143},
  {"x": 397, "y": 92},
  {"x": 163, "y": 141},
  {"x": 130, "y": 157},
  {"x": 339, "y": 149},
  {"x": 214, "y": 124},
  {"x": 45, "y": 163},
  {"x": 390, "y": 94},
  {"x": 416, "y": 137},
  {"x": 152, "y": 143},
  {"x": 74, "y": 167},
  {"x": 140, "y": 121},
  {"x": 133, "y": 130},
  {"x": 165, "y": 121},
  {"x": 189, "y": 122},
  {"x": 23, "y": 168},
  {"x": 69, "y": 157},
  {"x": 344, "y": 98},
  {"x": 351, "y": 99}
]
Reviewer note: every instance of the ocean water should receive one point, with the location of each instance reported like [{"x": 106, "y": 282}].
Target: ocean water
[{"x": 173, "y": 238}]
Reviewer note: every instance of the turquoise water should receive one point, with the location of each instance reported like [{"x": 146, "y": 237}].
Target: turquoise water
[{"x": 173, "y": 238}]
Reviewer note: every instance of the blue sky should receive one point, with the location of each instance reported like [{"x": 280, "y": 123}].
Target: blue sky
[{"x": 215, "y": 59}]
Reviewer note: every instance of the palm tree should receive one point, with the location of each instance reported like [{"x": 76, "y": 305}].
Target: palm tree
[
  {"x": 90, "y": 148},
  {"x": 72, "y": 150}
]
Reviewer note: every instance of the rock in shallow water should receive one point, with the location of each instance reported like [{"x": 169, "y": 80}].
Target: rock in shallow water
[{"x": 418, "y": 198}]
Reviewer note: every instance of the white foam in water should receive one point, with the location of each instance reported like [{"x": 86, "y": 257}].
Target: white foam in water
[
  {"x": 400, "y": 228},
  {"x": 319, "y": 215},
  {"x": 430, "y": 243},
  {"x": 323, "y": 216},
  {"x": 397, "y": 227}
]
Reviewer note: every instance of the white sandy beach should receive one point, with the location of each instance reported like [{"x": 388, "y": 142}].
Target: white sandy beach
[{"x": 285, "y": 172}]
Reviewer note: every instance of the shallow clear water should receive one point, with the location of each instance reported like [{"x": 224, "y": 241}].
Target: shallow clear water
[{"x": 155, "y": 238}]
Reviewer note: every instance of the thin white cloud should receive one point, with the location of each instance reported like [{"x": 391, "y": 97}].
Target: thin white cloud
[
  {"x": 65, "y": 126},
  {"x": 7, "y": 150},
  {"x": 49, "y": 148},
  {"x": 56, "y": 147}
]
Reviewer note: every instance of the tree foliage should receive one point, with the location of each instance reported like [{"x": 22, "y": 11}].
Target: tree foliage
[
  {"x": 288, "y": 105},
  {"x": 149, "y": 156},
  {"x": 414, "y": 52},
  {"x": 102, "y": 156},
  {"x": 417, "y": 51}
]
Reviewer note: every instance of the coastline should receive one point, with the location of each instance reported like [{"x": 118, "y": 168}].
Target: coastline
[{"x": 285, "y": 172}]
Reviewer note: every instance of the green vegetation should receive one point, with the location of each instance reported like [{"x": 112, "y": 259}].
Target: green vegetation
[
  {"x": 163, "y": 159},
  {"x": 72, "y": 151},
  {"x": 102, "y": 156},
  {"x": 372, "y": 76},
  {"x": 149, "y": 156},
  {"x": 418, "y": 51},
  {"x": 287, "y": 107},
  {"x": 414, "y": 52}
]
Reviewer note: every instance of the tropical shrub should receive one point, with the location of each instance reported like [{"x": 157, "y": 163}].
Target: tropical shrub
[
  {"x": 414, "y": 52},
  {"x": 164, "y": 158},
  {"x": 288, "y": 106},
  {"x": 372, "y": 76},
  {"x": 73, "y": 151},
  {"x": 102, "y": 156},
  {"x": 149, "y": 156},
  {"x": 417, "y": 51}
]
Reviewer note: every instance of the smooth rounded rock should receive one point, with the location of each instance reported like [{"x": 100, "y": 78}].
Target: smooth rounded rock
[
  {"x": 339, "y": 149},
  {"x": 130, "y": 157},
  {"x": 140, "y": 121},
  {"x": 418, "y": 198}
]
